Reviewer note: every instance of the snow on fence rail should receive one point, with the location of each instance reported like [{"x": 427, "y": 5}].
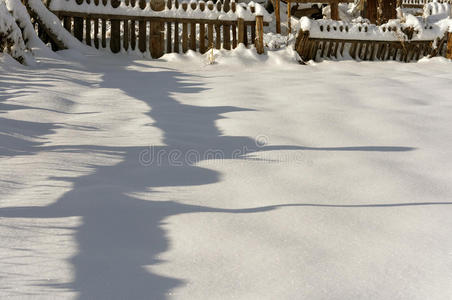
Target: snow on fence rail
[
  {"x": 393, "y": 40},
  {"x": 163, "y": 26},
  {"x": 420, "y": 3}
]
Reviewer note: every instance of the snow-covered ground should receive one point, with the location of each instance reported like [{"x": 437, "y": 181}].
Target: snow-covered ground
[{"x": 252, "y": 178}]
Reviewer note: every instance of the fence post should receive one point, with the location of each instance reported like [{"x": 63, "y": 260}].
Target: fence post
[
  {"x": 259, "y": 42},
  {"x": 115, "y": 38},
  {"x": 277, "y": 16},
  {"x": 241, "y": 27},
  {"x": 334, "y": 5},
  {"x": 449, "y": 45},
  {"x": 156, "y": 39}
]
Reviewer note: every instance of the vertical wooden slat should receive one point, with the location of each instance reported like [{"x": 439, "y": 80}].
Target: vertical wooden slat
[
  {"x": 176, "y": 30},
  {"x": 125, "y": 40},
  {"x": 210, "y": 35},
  {"x": 133, "y": 34},
  {"x": 241, "y": 29},
  {"x": 217, "y": 36},
  {"x": 334, "y": 5},
  {"x": 168, "y": 31},
  {"x": 88, "y": 31},
  {"x": 142, "y": 36},
  {"x": 184, "y": 37},
  {"x": 104, "y": 33},
  {"x": 96, "y": 33},
  {"x": 115, "y": 36},
  {"x": 78, "y": 28},
  {"x": 260, "y": 34},
  {"x": 156, "y": 39},
  {"x": 202, "y": 38},
  {"x": 67, "y": 23},
  {"x": 193, "y": 36},
  {"x": 277, "y": 16},
  {"x": 227, "y": 37}
]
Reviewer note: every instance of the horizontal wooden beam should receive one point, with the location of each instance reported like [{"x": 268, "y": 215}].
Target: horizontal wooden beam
[{"x": 148, "y": 18}]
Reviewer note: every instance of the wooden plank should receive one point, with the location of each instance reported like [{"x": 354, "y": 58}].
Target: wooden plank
[
  {"x": 241, "y": 29},
  {"x": 202, "y": 38},
  {"x": 176, "y": 37},
  {"x": 67, "y": 23},
  {"x": 115, "y": 36},
  {"x": 88, "y": 31},
  {"x": 260, "y": 34},
  {"x": 126, "y": 34},
  {"x": 184, "y": 37},
  {"x": 142, "y": 36},
  {"x": 209, "y": 36},
  {"x": 96, "y": 33},
  {"x": 78, "y": 28},
  {"x": 104, "y": 33},
  {"x": 133, "y": 34},
  {"x": 168, "y": 37},
  {"x": 217, "y": 36},
  {"x": 150, "y": 18},
  {"x": 227, "y": 37},
  {"x": 156, "y": 40},
  {"x": 234, "y": 36},
  {"x": 277, "y": 16},
  {"x": 334, "y": 5},
  {"x": 193, "y": 36}
]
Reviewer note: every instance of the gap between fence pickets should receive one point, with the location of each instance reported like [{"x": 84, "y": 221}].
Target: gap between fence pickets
[{"x": 229, "y": 32}]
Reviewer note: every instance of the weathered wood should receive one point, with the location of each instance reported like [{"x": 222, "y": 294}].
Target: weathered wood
[
  {"x": 125, "y": 36},
  {"x": 234, "y": 36},
  {"x": 67, "y": 23},
  {"x": 184, "y": 37},
  {"x": 153, "y": 18},
  {"x": 133, "y": 35},
  {"x": 241, "y": 29},
  {"x": 104, "y": 33},
  {"x": 289, "y": 23},
  {"x": 88, "y": 31},
  {"x": 142, "y": 36},
  {"x": 78, "y": 28},
  {"x": 334, "y": 5},
  {"x": 217, "y": 36},
  {"x": 115, "y": 36},
  {"x": 371, "y": 11},
  {"x": 449, "y": 46},
  {"x": 96, "y": 33},
  {"x": 176, "y": 37},
  {"x": 156, "y": 39},
  {"x": 168, "y": 37},
  {"x": 227, "y": 37},
  {"x": 260, "y": 34},
  {"x": 193, "y": 36},
  {"x": 210, "y": 36},
  {"x": 202, "y": 38},
  {"x": 277, "y": 15}
]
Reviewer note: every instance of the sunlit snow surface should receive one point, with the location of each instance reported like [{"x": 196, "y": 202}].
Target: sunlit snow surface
[{"x": 250, "y": 178}]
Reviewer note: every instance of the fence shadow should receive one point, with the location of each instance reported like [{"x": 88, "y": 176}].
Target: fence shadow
[{"x": 121, "y": 233}]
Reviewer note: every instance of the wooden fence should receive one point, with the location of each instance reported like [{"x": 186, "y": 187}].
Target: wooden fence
[
  {"x": 332, "y": 41},
  {"x": 164, "y": 27},
  {"x": 420, "y": 3}
]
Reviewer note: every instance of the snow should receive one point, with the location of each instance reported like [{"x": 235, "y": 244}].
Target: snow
[
  {"x": 173, "y": 12},
  {"x": 11, "y": 36},
  {"x": 360, "y": 29},
  {"x": 251, "y": 178}
]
